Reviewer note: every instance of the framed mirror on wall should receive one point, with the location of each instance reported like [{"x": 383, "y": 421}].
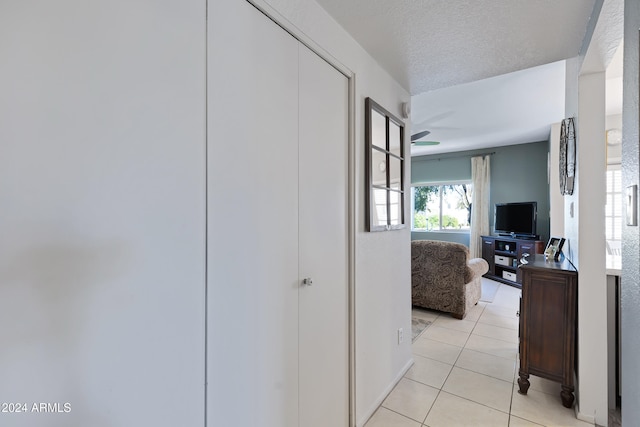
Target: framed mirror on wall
[{"x": 385, "y": 187}]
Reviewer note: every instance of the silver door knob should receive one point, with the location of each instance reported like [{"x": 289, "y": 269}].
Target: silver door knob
[{"x": 307, "y": 281}]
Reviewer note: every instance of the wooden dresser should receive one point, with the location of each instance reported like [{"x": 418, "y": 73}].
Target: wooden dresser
[{"x": 548, "y": 311}]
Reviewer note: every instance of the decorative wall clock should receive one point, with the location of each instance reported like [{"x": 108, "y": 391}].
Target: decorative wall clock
[{"x": 567, "y": 156}]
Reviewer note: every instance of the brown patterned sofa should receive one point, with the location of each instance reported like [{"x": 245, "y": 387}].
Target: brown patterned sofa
[{"x": 444, "y": 278}]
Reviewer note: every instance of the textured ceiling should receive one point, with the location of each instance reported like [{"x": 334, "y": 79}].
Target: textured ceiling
[
  {"x": 513, "y": 108},
  {"x": 431, "y": 44},
  {"x": 482, "y": 73}
]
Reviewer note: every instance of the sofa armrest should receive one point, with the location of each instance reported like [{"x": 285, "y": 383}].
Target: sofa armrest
[{"x": 476, "y": 268}]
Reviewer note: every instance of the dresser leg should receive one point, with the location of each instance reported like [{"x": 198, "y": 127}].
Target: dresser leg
[
  {"x": 567, "y": 396},
  {"x": 523, "y": 382}
]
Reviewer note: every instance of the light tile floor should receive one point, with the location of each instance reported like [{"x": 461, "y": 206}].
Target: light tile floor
[{"x": 465, "y": 374}]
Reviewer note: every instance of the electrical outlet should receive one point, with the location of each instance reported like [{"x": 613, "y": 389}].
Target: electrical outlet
[{"x": 400, "y": 336}]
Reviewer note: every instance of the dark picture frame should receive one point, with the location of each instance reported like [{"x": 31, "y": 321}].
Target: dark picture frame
[
  {"x": 554, "y": 248},
  {"x": 384, "y": 169}
]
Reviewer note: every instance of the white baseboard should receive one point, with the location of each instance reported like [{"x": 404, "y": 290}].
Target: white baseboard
[
  {"x": 583, "y": 417},
  {"x": 385, "y": 393}
]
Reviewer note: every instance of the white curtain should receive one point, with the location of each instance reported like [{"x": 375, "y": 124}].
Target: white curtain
[{"x": 481, "y": 176}]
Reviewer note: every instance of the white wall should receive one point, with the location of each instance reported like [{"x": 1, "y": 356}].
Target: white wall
[
  {"x": 102, "y": 218},
  {"x": 592, "y": 309},
  {"x": 614, "y": 152},
  {"x": 570, "y": 201},
  {"x": 102, "y": 186},
  {"x": 382, "y": 260},
  {"x": 584, "y": 231},
  {"x": 584, "y": 211},
  {"x": 556, "y": 200}
]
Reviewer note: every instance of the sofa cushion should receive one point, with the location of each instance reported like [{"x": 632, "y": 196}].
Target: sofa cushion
[{"x": 444, "y": 278}]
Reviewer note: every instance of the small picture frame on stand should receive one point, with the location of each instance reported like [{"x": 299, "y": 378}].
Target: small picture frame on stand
[{"x": 554, "y": 248}]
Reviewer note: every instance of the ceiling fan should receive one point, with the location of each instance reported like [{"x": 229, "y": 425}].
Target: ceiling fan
[
  {"x": 416, "y": 136},
  {"x": 432, "y": 123}
]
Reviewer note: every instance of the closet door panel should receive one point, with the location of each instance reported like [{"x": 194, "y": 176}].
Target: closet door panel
[
  {"x": 252, "y": 219},
  {"x": 324, "y": 331}
]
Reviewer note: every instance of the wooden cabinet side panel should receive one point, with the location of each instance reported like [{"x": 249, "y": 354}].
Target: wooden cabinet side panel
[
  {"x": 547, "y": 325},
  {"x": 571, "y": 309},
  {"x": 546, "y": 317}
]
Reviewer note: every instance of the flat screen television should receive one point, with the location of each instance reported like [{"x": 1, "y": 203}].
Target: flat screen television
[{"x": 516, "y": 219}]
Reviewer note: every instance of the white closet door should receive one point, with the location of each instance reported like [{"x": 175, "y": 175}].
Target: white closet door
[
  {"x": 253, "y": 220},
  {"x": 324, "y": 331}
]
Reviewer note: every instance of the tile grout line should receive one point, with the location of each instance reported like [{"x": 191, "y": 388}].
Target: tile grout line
[
  {"x": 422, "y": 423},
  {"x": 399, "y": 413},
  {"x": 455, "y": 366},
  {"x": 476, "y": 403},
  {"x": 440, "y": 389},
  {"x": 431, "y": 407},
  {"x": 513, "y": 381},
  {"x": 488, "y": 376}
]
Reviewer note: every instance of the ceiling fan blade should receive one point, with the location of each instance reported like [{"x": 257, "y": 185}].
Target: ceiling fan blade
[
  {"x": 419, "y": 135},
  {"x": 425, "y": 143}
]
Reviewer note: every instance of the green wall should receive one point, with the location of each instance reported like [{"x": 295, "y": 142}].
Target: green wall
[{"x": 518, "y": 174}]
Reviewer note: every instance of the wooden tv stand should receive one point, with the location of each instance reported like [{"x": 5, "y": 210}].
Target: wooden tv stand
[{"x": 503, "y": 255}]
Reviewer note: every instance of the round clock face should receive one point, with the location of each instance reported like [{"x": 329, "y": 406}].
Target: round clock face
[{"x": 382, "y": 166}]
